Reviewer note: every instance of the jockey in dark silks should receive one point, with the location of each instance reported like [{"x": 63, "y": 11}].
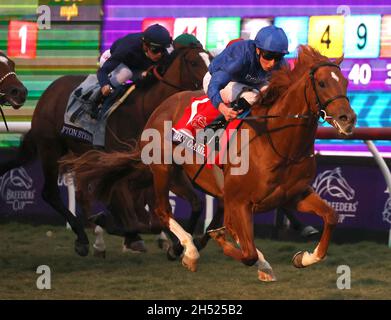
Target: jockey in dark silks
[
  {"x": 128, "y": 58},
  {"x": 245, "y": 64}
]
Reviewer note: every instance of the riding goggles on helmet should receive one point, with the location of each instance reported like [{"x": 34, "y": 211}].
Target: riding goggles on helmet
[
  {"x": 156, "y": 49},
  {"x": 269, "y": 55}
]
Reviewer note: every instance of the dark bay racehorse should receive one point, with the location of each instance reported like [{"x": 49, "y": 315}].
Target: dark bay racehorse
[
  {"x": 184, "y": 70},
  {"x": 12, "y": 91},
  {"x": 281, "y": 164}
]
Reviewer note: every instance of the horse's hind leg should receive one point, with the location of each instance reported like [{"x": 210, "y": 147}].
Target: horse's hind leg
[
  {"x": 161, "y": 176},
  {"x": 312, "y": 203},
  {"x": 50, "y": 153},
  {"x": 238, "y": 221}
]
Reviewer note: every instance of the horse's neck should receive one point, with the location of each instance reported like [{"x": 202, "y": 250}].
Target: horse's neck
[
  {"x": 161, "y": 91},
  {"x": 292, "y": 136}
]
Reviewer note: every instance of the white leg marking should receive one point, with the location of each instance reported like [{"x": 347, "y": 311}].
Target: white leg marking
[
  {"x": 99, "y": 244},
  {"x": 185, "y": 239},
  {"x": 310, "y": 258}
]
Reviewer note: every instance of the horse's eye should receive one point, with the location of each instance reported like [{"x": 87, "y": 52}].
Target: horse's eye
[
  {"x": 193, "y": 63},
  {"x": 322, "y": 84}
]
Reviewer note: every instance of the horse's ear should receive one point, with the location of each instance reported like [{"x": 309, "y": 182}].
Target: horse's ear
[{"x": 339, "y": 60}]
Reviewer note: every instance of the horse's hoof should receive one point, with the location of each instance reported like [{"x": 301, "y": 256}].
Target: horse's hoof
[
  {"x": 135, "y": 247},
  {"x": 189, "y": 263},
  {"x": 82, "y": 248},
  {"x": 266, "y": 275},
  {"x": 163, "y": 244},
  {"x": 297, "y": 259},
  {"x": 171, "y": 254},
  {"x": 99, "y": 254},
  {"x": 309, "y": 231},
  {"x": 178, "y": 249}
]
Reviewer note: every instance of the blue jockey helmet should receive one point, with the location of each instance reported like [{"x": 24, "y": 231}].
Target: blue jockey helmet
[
  {"x": 157, "y": 36},
  {"x": 272, "y": 38}
]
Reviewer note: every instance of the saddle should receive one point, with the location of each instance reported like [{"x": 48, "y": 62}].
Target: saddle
[
  {"x": 204, "y": 130},
  {"x": 86, "y": 114}
]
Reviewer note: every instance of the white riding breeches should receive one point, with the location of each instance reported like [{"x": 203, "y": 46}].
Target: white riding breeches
[
  {"x": 120, "y": 74},
  {"x": 232, "y": 90}
]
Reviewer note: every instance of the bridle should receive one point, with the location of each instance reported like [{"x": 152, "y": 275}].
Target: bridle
[
  {"x": 161, "y": 78},
  {"x": 2, "y": 94},
  {"x": 5, "y": 77},
  {"x": 322, "y": 106},
  {"x": 321, "y": 112}
]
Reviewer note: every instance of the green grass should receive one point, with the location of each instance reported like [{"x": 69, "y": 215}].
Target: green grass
[{"x": 151, "y": 276}]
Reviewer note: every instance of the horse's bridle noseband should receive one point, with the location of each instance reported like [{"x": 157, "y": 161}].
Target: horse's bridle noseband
[
  {"x": 5, "y": 77},
  {"x": 2, "y": 94},
  {"x": 322, "y": 106}
]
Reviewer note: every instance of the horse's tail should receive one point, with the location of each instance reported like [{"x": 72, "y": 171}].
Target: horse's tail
[
  {"x": 102, "y": 170},
  {"x": 26, "y": 153}
]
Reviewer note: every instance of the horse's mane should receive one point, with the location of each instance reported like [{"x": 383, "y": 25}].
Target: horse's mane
[
  {"x": 166, "y": 62},
  {"x": 283, "y": 78}
]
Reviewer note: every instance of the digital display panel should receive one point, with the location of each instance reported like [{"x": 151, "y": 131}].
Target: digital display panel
[
  {"x": 194, "y": 26},
  {"x": 362, "y": 36},
  {"x": 296, "y": 29},
  {"x": 326, "y": 34},
  {"x": 221, "y": 31}
]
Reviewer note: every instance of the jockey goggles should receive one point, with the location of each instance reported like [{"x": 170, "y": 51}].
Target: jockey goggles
[
  {"x": 269, "y": 55},
  {"x": 156, "y": 49}
]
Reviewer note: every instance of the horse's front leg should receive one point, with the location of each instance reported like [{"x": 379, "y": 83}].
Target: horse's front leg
[{"x": 314, "y": 204}]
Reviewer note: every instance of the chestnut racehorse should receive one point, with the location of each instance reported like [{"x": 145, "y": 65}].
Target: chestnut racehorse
[{"x": 281, "y": 164}]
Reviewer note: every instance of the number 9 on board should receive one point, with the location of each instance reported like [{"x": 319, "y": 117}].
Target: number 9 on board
[{"x": 362, "y": 36}]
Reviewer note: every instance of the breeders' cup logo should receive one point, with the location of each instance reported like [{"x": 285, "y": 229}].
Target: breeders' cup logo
[
  {"x": 331, "y": 183},
  {"x": 16, "y": 188},
  {"x": 387, "y": 211}
]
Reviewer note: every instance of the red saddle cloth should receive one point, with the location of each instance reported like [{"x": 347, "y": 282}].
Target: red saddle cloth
[{"x": 199, "y": 114}]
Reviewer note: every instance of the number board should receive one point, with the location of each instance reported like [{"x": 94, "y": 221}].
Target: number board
[
  {"x": 362, "y": 36},
  {"x": 22, "y": 39},
  {"x": 168, "y": 23},
  {"x": 296, "y": 29},
  {"x": 194, "y": 26},
  {"x": 251, "y": 26},
  {"x": 385, "y": 51},
  {"x": 326, "y": 35},
  {"x": 221, "y": 31},
  {"x": 367, "y": 74}
]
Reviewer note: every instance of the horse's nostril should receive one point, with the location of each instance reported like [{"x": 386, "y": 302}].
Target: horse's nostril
[{"x": 343, "y": 118}]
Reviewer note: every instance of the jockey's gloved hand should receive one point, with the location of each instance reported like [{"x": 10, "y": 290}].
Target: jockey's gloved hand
[
  {"x": 228, "y": 113},
  {"x": 106, "y": 90},
  {"x": 146, "y": 79}
]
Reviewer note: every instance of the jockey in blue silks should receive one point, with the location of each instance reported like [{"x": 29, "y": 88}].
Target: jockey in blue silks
[
  {"x": 246, "y": 63},
  {"x": 129, "y": 56}
]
